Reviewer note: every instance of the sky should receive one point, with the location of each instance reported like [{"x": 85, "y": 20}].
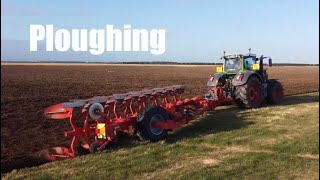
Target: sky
[{"x": 196, "y": 30}]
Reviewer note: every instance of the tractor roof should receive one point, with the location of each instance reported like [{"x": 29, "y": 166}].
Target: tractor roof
[
  {"x": 239, "y": 55},
  {"x": 250, "y": 55}
]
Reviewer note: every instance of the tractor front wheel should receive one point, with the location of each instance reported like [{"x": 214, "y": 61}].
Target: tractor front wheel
[
  {"x": 249, "y": 95},
  {"x": 275, "y": 92}
]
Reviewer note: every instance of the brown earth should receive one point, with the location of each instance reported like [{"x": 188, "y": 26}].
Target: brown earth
[{"x": 28, "y": 89}]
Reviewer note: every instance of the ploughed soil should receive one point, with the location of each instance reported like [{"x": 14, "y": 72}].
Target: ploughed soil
[{"x": 25, "y": 90}]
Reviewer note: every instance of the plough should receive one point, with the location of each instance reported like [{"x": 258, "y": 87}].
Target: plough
[{"x": 150, "y": 113}]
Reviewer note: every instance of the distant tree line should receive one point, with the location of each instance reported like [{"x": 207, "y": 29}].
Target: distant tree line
[
  {"x": 153, "y": 62},
  {"x": 199, "y": 63},
  {"x": 167, "y": 62},
  {"x": 293, "y": 64}
]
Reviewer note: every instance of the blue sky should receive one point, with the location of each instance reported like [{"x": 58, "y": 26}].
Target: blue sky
[{"x": 196, "y": 30}]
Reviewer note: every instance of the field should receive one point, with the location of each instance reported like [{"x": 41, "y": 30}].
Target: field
[{"x": 28, "y": 89}]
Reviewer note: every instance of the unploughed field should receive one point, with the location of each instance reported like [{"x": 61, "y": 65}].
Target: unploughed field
[{"x": 27, "y": 89}]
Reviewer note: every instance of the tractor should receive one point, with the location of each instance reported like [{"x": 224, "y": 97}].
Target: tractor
[{"x": 244, "y": 79}]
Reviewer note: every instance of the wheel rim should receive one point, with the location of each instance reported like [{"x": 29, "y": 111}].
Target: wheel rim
[
  {"x": 156, "y": 130},
  {"x": 254, "y": 93}
]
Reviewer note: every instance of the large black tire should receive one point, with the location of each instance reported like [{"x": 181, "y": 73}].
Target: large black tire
[
  {"x": 143, "y": 127},
  {"x": 81, "y": 151},
  {"x": 94, "y": 147},
  {"x": 249, "y": 95},
  {"x": 275, "y": 92}
]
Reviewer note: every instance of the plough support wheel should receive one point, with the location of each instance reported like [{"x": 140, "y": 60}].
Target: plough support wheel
[{"x": 147, "y": 118}]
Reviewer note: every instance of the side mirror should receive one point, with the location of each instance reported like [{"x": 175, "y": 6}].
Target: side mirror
[{"x": 270, "y": 62}]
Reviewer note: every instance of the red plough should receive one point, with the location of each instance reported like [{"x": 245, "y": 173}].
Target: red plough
[{"x": 149, "y": 113}]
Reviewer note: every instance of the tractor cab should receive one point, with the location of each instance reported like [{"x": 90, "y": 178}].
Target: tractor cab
[
  {"x": 234, "y": 64},
  {"x": 243, "y": 63}
]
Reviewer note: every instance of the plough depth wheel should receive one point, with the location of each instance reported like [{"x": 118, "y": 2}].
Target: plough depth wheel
[{"x": 145, "y": 126}]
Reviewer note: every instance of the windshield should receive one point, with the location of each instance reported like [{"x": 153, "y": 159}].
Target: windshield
[
  {"x": 248, "y": 62},
  {"x": 232, "y": 65}
]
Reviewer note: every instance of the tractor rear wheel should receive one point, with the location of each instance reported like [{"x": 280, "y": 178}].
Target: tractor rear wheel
[
  {"x": 144, "y": 126},
  {"x": 275, "y": 92},
  {"x": 249, "y": 95}
]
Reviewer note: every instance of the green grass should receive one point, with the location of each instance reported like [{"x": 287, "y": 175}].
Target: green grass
[{"x": 275, "y": 142}]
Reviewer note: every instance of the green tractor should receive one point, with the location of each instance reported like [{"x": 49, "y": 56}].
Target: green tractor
[{"x": 244, "y": 79}]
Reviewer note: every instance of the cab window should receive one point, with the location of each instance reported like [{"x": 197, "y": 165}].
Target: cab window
[{"x": 248, "y": 62}]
